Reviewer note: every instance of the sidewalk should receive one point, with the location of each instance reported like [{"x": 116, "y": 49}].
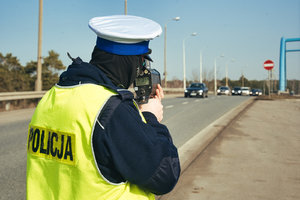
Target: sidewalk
[{"x": 255, "y": 157}]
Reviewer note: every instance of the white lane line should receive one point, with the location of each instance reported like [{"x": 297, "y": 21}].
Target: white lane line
[
  {"x": 170, "y": 106},
  {"x": 197, "y": 100},
  {"x": 185, "y": 102}
]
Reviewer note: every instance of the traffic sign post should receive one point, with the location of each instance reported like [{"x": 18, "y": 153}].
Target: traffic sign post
[{"x": 269, "y": 65}]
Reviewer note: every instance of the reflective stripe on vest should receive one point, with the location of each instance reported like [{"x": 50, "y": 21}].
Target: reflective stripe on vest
[{"x": 60, "y": 159}]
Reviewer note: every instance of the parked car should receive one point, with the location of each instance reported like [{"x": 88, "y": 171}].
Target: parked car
[
  {"x": 256, "y": 92},
  {"x": 196, "y": 90},
  {"x": 236, "y": 91},
  {"x": 245, "y": 91},
  {"x": 223, "y": 90}
]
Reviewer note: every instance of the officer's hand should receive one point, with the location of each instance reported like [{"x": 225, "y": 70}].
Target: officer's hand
[
  {"x": 159, "y": 92},
  {"x": 154, "y": 106}
]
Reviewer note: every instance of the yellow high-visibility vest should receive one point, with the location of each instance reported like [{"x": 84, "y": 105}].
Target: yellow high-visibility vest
[{"x": 60, "y": 158}]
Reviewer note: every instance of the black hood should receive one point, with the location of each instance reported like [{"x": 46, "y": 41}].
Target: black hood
[
  {"x": 80, "y": 72},
  {"x": 121, "y": 70}
]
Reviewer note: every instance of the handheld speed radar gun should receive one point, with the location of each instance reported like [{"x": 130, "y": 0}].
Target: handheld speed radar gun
[{"x": 146, "y": 83}]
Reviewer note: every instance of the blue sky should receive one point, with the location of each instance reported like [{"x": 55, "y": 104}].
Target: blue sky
[{"x": 247, "y": 31}]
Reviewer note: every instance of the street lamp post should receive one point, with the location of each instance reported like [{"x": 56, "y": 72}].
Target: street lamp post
[
  {"x": 243, "y": 77},
  {"x": 183, "y": 59},
  {"x": 200, "y": 78},
  {"x": 38, "y": 83},
  {"x": 215, "y": 74},
  {"x": 232, "y": 60},
  {"x": 125, "y": 7},
  {"x": 201, "y": 66},
  {"x": 165, "y": 51}
]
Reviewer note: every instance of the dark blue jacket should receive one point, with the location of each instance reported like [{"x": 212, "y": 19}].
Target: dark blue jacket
[{"x": 127, "y": 149}]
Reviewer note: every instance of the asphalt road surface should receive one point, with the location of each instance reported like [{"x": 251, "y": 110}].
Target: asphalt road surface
[{"x": 184, "y": 117}]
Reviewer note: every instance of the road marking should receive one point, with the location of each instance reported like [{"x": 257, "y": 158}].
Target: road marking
[
  {"x": 197, "y": 100},
  {"x": 185, "y": 102},
  {"x": 170, "y": 106}
]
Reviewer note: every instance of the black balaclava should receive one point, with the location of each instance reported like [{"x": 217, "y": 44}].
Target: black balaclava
[{"x": 121, "y": 70}]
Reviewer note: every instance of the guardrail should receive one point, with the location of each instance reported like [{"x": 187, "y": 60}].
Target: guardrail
[{"x": 10, "y": 96}]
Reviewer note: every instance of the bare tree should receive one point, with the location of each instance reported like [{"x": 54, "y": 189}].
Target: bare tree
[{"x": 195, "y": 77}]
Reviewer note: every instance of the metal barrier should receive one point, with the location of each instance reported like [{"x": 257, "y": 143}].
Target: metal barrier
[
  {"x": 7, "y": 97},
  {"x": 10, "y": 96}
]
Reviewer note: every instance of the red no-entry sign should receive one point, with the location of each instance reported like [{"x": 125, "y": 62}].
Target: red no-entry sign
[{"x": 268, "y": 64}]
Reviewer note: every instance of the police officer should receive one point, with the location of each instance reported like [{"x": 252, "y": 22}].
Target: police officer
[{"x": 88, "y": 139}]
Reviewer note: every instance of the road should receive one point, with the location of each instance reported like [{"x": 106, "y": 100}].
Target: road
[{"x": 185, "y": 117}]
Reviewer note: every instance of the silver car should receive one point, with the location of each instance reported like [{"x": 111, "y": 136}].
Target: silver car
[
  {"x": 223, "y": 90},
  {"x": 245, "y": 91}
]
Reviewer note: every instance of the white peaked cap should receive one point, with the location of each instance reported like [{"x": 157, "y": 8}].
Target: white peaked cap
[
  {"x": 125, "y": 28},
  {"x": 116, "y": 33}
]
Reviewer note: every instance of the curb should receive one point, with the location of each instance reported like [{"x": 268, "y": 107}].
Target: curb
[{"x": 193, "y": 147}]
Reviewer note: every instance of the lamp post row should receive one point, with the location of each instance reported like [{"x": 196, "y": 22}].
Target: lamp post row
[
  {"x": 38, "y": 84},
  {"x": 184, "y": 65}
]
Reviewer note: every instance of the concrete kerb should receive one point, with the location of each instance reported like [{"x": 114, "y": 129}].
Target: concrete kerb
[{"x": 193, "y": 147}]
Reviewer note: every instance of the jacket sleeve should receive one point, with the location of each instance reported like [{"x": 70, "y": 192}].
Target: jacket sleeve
[{"x": 142, "y": 153}]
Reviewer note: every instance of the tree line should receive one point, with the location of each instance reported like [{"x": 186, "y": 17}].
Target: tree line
[{"x": 14, "y": 77}]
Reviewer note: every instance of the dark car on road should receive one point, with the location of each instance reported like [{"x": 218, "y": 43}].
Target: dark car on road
[
  {"x": 236, "y": 91},
  {"x": 196, "y": 90},
  {"x": 256, "y": 92}
]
